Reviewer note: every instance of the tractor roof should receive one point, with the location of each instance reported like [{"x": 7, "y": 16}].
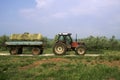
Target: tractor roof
[{"x": 65, "y": 34}]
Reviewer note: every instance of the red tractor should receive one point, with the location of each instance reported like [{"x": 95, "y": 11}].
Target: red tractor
[{"x": 65, "y": 43}]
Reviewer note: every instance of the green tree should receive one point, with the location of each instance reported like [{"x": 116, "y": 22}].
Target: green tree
[
  {"x": 114, "y": 43},
  {"x": 3, "y": 39}
]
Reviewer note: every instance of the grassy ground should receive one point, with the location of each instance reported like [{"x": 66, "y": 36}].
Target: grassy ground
[{"x": 60, "y": 67}]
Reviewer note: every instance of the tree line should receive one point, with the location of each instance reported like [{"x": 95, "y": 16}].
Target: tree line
[
  {"x": 92, "y": 42},
  {"x": 101, "y": 43}
]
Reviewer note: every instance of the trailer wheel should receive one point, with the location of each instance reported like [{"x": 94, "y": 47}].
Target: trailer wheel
[
  {"x": 80, "y": 50},
  {"x": 13, "y": 51},
  {"x": 59, "y": 49},
  {"x": 36, "y": 51}
]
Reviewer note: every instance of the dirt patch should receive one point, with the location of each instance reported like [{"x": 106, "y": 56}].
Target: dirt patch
[
  {"x": 37, "y": 63},
  {"x": 112, "y": 63}
]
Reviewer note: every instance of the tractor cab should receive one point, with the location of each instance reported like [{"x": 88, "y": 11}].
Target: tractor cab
[{"x": 65, "y": 38}]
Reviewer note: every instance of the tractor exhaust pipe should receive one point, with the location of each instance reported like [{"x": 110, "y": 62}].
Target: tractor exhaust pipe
[{"x": 76, "y": 38}]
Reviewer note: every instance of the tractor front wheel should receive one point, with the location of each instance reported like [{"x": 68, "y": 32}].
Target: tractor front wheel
[
  {"x": 59, "y": 49},
  {"x": 80, "y": 50}
]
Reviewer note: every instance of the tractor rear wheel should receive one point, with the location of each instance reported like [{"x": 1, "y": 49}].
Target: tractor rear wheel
[
  {"x": 80, "y": 50},
  {"x": 59, "y": 49}
]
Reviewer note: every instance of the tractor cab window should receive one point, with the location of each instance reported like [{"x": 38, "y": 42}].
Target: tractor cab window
[
  {"x": 65, "y": 38},
  {"x": 61, "y": 38},
  {"x": 68, "y": 39}
]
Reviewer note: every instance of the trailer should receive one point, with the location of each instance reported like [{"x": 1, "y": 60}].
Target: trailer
[{"x": 18, "y": 41}]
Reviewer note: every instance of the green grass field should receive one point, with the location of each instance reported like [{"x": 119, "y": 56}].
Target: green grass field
[{"x": 60, "y": 67}]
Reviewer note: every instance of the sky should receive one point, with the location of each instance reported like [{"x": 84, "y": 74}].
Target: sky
[{"x": 50, "y": 17}]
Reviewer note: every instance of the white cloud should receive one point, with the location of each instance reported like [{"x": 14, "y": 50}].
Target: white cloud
[
  {"x": 83, "y": 7},
  {"x": 87, "y": 7},
  {"x": 43, "y": 3},
  {"x": 35, "y": 12},
  {"x": 93, "y": 7},
  {"x": 60, "y": 15},
  {"x": 40, "y": 3}
]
